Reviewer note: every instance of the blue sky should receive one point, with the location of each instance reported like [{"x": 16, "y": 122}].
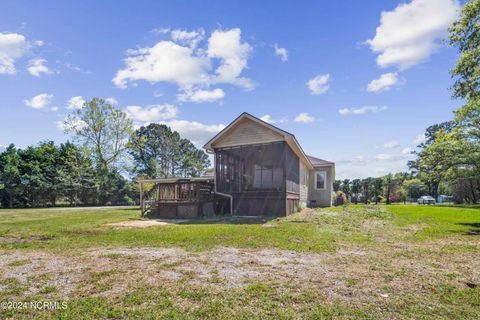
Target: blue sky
[{"x": 356, "y": 81}]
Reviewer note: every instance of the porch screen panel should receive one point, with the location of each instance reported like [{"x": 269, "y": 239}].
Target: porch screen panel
[
  {"x": 251, "y": 168},
  {"x": 292, "y": 168}
]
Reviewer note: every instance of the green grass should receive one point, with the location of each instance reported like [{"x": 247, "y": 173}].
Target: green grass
[
  {"x": 259, "y": 301},
  {"x": 371, "y": 228},
  {"x": 62, "y": 229},
  {"x": 439, "y": 221},
  {"x": 18, "y": 263}
]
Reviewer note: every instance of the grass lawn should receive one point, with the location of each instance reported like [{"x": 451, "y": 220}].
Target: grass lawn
[{"x": 368, "y": 262}]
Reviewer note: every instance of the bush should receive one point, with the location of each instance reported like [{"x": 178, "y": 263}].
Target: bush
[{"x": 340, "y": 198}]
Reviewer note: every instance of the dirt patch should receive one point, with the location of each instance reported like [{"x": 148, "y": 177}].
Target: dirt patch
[
  {"x": 351, "y": 274},
  {"x": 7, "y": 212},
  {"x": 145, "y": 223},
  {"x": 309, "y": 212},
  {"x": 26, "y": 239}
]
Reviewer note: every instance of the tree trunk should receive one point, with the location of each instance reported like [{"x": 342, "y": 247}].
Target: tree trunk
[
  {"x": 472, "y": 190},
  {"x": 435, "y": 189},
  {"x": 10, "y": 200}
]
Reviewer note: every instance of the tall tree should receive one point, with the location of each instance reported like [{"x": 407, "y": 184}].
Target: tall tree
[
  {"x": 465, "y": 35},
  {"x": 389, "y": 185},
  {"x": 32, "y": 176},
  {"x": 103, "y": 129},
  {"x": 76, "y": 175},
  {"x": 366, "y": 188},
  {"x": 10, "y": 174},
  {"x": 432, "y": 130},
  {"x": 336, "y": 185},
  {"x": 377, "y": 189},
  {"x": 356, "y": 189},
  {"x": 159, "y": 152},
  {"x": 50, "y": 161},
  {"x": 345, "y": 187}
]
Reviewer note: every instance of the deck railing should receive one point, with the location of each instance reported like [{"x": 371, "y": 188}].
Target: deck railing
[{"x": 181, "y": 191}]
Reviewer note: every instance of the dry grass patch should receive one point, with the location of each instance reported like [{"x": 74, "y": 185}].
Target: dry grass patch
[{"x": 378, "y": 265}]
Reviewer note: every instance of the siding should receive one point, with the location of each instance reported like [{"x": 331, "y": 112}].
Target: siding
[
  {"x": 247, "y": 132},
  {"x": 323, "y": 198},
  {"x": 304, "y": 178}
]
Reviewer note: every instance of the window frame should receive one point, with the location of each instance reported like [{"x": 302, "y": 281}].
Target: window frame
[{"x": 325, "y": 180}]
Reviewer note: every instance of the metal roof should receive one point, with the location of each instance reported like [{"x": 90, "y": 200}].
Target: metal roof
[{"x": 319, "y": 162}]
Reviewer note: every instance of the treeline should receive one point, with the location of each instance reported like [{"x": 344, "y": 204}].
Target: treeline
[
  {"x": 391, "y": 188},
  {"x": 451, "y": 153},
  {"x": 98, "y": 166},
  {"x": 47, "y": 175},
  {"x": 448, "y": 162}
]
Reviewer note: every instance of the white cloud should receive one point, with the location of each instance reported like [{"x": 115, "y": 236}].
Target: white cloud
[
  {"x": 39, "y": 101},
  {"x": 161, "y": 30},
  {"x": 196, "y": 132},
  {"x": 361, "y": 110},
  {"x": 190, "y": 38},
  {"x": 54, "y": 109},
  {"x": 268, "y": 118},
  {"x": 153, "y": 113},
  {"x": 75, "y": 103},
  {"x": 383, "y": 156},
  {"x": 390, "y": 144},
  {"x": 201, "y": 95},
  {"x": 187, "y": 66},
  {"x": 409, "y": 34},
  {"x": 60, "y": 125},
  {"x": 281, "y": 52},
  {"x": 164, "y": 62},
  {"x": 70, "y": 66},
  {"x": 384, "y": 83},
  {"x": 304, "y": 117},
  {"x": 359, "y": 159},
  {"x": 419, "y": 139},
  {"x": 72, "y": 120},
  {"x": 404, "y": 155},
  {"x": 319, "y": 84},
  {"x": 362, "y": 166},
  {"x": 37, "y": 66},
  {"x": 227, "y": 46},
  {"x": 111, "y": 101},
  {"x": 12, "y": 47}
]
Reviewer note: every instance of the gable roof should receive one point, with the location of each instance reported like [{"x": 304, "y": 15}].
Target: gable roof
[
  {"x": 288, "y": 137},
  {"x": 316, "y": 162},
  {"x": 244, "y": 115}
]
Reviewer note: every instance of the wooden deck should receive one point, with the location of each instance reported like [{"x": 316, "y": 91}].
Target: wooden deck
[{"x": 181, "y": 198}]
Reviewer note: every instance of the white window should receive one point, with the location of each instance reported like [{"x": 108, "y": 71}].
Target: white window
[{"x": 320, "y": 180}]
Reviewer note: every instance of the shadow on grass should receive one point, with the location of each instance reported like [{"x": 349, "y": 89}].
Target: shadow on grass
[
  {"x": 466, "y": 206},
  {"x": 475, "y": 231},
  {"x": 228, "y": 220}
]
